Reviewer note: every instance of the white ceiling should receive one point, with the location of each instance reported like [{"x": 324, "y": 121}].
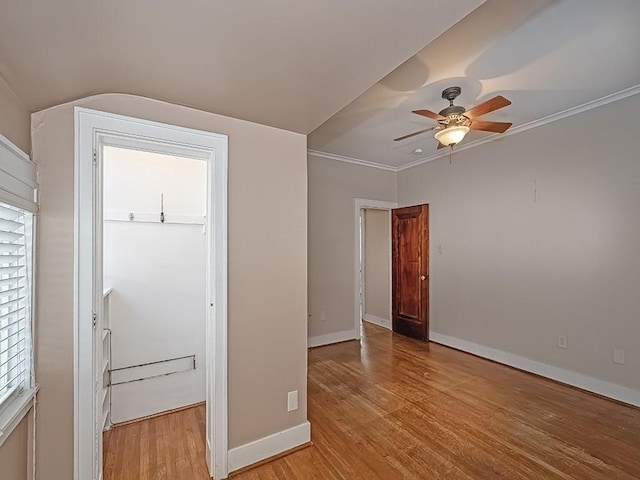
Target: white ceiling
[
  {"x": 287, "y": 63},
  {"x": 546, "y": 56}
]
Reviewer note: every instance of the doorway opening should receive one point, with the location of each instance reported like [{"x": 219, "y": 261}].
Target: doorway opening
[
  {"x": 155, "y": 338},
  {"x": 372, "y": 302},
  {"x": 154, "y": 278}
]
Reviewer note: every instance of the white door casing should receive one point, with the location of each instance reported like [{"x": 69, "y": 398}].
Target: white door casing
[
  {"x": 94, "y": 129},
  {"x": 359, "y": 205}
]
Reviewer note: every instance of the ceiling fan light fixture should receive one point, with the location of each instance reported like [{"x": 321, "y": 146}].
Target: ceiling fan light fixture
[{"x": 451, "y": 135}]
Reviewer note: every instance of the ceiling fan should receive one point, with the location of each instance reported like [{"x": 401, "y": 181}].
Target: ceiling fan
[{"x": 454, "y": 122}]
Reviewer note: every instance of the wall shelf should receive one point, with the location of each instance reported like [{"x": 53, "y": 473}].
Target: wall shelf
[{"x": 146, "y": 217}]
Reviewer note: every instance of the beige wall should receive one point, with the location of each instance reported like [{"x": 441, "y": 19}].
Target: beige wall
[
  {"x": 14, "y": 453},
  {"x": 15, "y": 125},
  {"x": 377, "y": 268},
  {"x": 267, "y": 272},
  {"x": 333, "y": 186},
  {"x": 523, "y": 262}
]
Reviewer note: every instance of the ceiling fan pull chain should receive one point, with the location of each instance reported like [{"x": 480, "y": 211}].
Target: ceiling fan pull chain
[{"x": 450, "y": 153}]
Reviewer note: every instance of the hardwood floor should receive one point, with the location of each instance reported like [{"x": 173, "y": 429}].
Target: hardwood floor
[
  {"x": 170, "y": 447},
  {"x": 396, "y": 408}
]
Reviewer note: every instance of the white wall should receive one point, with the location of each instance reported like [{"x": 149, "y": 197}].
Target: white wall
[
  {"x": 157, "y": 272},
  {"x": 333, "y": 186},
  {"x": 524, "y": 261},
  {"x": 377, "y": 268}
]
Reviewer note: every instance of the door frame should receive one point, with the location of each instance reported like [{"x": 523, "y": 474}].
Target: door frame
[
  {"x": 94, "y": 129},
  {"x": 361, "y": 204}
]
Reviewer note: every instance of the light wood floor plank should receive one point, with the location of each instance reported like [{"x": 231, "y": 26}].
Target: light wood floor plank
[{"x": 395, "y": 408}]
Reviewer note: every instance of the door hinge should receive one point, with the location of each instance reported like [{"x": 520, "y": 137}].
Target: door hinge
[
  {"x": 95, "y": 157},
  {"x": 95, "y": 320}
]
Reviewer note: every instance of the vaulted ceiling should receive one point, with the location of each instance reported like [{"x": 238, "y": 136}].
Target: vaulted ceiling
[
  {"x": 546, "y": 56},
  {"x": 286, "y": 63}
]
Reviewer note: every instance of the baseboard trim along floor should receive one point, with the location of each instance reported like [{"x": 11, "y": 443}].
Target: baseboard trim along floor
[
  {"x": 330, "y": 338},
  {"x": 269, "y": 446},
  {"x": 381, "y": 322},
  {"x": 562, "y": 375}
]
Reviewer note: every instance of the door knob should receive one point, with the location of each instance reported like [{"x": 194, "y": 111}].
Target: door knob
[{"x": 422, "y": 277}]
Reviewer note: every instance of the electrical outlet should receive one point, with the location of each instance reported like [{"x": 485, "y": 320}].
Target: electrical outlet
[
  {"x": 440, "y": 249},
  {"x": 562, "y": 341},
  {"x": 323, "y": 316},
  {"x": 292, "y": 401},
  {"x": 618, "y": 356}
]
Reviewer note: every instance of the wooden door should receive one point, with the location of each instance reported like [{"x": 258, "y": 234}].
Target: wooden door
[{"x": 410, "y": 266}]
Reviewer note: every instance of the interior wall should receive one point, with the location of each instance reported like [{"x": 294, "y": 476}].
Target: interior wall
[
  {"x": 267, "y": 240},
  {"x": 15, "y": 125},
  {"x": 157, "y": 272},
  {"x": 377, "y": 267},
  {"x": 15, "y": 121},
  {"x": 536, "y": 235},
  {"x": 14, "y": 452},
  {"x": 333, "y": 186}
]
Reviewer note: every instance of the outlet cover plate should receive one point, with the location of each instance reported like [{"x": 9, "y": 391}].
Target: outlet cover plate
[
  {"x": 618, "y": 356},
  {"x": 562, "y": 341},
  {"x": 292, "y": 401}
]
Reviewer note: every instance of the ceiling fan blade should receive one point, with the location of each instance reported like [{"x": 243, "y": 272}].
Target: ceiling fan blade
[
  {"x": 485, "y": 107},
  {"x": 496, "y": 127},
  {"x": 412, "y": 134},
  {"x": 429, "y": 114},
  {"x": 441, "y": 145}
]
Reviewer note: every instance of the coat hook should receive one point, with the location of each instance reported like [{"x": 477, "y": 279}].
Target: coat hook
[{"x": 162, "y": 208}]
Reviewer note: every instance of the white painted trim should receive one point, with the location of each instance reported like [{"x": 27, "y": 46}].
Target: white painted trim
[
  {"x": 354, "y": 161},
  {"x": 381, "y": 322},
  {"x": 329, "y": 338},
  {"x": 93, "y": 129},
  {"x": 9, "y": 145},
  {"x": 362, "y": 271},
  {"x": 13, "y": 413},
  {"x": 18, "y": 177},
  {"x": 569, "y": 377},
  {"x": 359, "y": 205},
  {"x": 614, "y": 97},
  {"x": 269, "y": 446}
]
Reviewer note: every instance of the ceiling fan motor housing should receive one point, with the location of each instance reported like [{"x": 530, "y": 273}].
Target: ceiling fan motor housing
[
  {"x": 458, "y": 120},
  {"x": 451, "y": 93},
  {"x": 452, "y": 110}
]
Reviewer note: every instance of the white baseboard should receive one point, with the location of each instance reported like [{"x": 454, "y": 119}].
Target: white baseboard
[
  {"x": 269, "y": 446},
  {"x": 585, "y": 382},
  {"x": 381, "y": 322},
  {"x": 330, "y": 338}
]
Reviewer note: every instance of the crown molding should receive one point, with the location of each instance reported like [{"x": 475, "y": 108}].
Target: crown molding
[
  {"x": 355, "y": 161},
  {"x": 614, "y": 97}
]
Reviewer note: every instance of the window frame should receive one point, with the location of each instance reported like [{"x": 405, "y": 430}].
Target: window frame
[{"x": 18, "y": 189}]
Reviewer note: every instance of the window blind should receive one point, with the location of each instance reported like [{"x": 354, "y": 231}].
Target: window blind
[
  {"x": 18, "y": 179},
  {"x": 15, "y": 293}
]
